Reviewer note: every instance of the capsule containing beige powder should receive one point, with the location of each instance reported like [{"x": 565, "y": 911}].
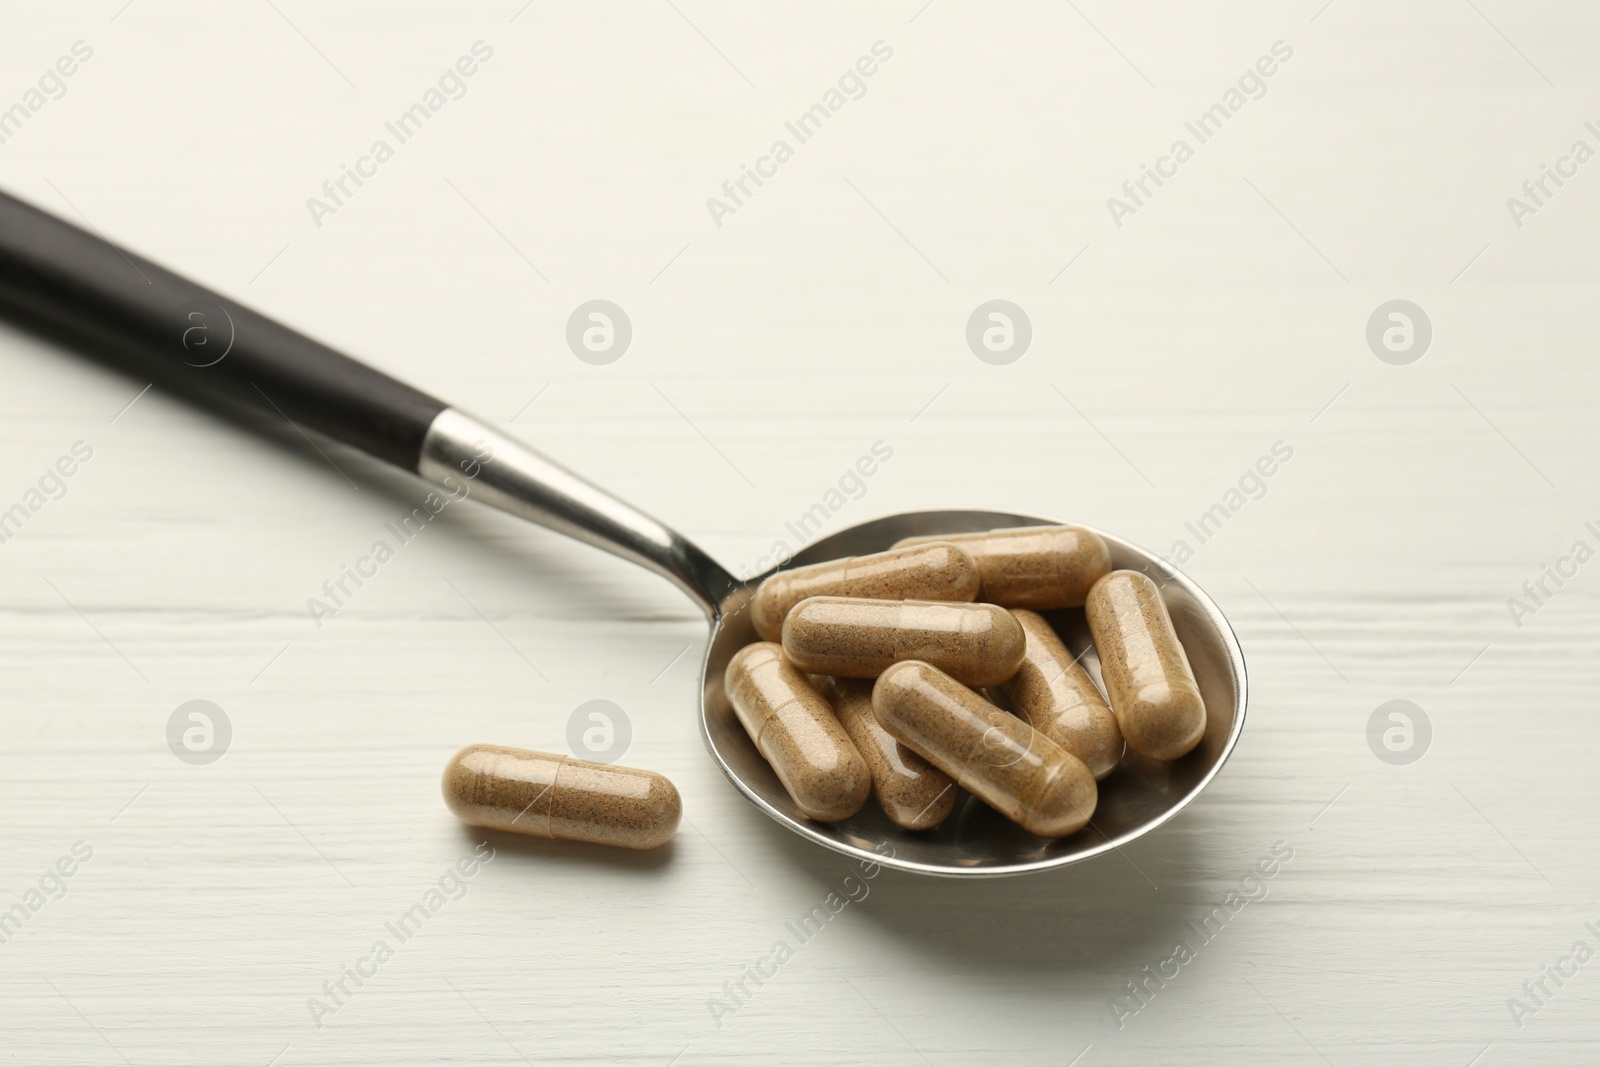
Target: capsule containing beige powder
[
  {"x": 1152, "y": 688},
  {"x": 977, "y": 644},
  {"x": 1002, "y": 760},
  {"x": 794, "y": 727},
  {"x": 912, "y": 792},
  {"x": 937, "y": 570},
  {"x": 1054, "y": 694},
  {"x": 542, "y": 795},
  {"x": 1038, "y": 567}
]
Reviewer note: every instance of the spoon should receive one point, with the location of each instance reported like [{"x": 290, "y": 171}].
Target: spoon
[{"x": 78, "y": 287}]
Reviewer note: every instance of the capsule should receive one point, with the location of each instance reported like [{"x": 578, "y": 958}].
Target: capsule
[
  {"x": 1056, "y": 696},
  {"x": 1006, "y": 763},
  {"x": 913, "y": 793},
  {"x": 794, "y": 727},
  {"x": 977, "y": 644},
  {"x": 541, "y": 795},
  {"x": 1038, "y": 567},
  {"x": 937, "y": 570},
  {"x": 1152, "y": 689}
]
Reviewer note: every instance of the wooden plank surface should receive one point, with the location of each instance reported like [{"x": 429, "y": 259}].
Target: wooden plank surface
[{"x": 1226, "y": 313}]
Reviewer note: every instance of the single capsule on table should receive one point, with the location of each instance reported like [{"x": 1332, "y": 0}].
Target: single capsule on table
[
  {"x": 933, "y": 571},
  {"x": 977, "y": 644},
  {"x": 794, "y": 727},
  {"x": 542, "y": 795},
  {"x": 1152, "y": 688},
  {"x": 914, "y": 793},
  {"x": 1054, "y": 694},
  {"x": 1002, "y": 760},
  {"x": 1038, "y": 567}
]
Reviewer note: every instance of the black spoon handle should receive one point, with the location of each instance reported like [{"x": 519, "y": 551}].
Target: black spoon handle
[
  {"x": 163, "y": 326},
  {"x": 81, "y": 288}
]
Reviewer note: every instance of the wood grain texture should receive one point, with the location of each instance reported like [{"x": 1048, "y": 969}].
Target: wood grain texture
[{"x": 825, "y": 314}]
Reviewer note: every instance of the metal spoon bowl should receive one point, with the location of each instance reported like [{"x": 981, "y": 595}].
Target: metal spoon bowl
[{"x": 975, "y": 841}]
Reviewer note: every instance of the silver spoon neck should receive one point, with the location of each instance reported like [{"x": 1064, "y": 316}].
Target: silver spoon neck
[{"x": 466, "y": 456}]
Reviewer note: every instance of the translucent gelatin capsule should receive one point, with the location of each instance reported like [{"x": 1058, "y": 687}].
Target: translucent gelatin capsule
[
  {"x": 977, "y": 644},
  {"x": 543, "y": 795},
  {"x": 1152, "y": 688},
  {"x": 1038, "y": 567},
  {"x": 1002, "y": 760},
  {"x": 937, "y": 570},
  {"x": 913, "y": 792},
  {"x": 794, "y": 727},
  {"x": 1054, "y": 694}
]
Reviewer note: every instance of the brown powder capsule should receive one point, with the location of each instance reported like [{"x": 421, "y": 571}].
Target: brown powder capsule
[
  {"x": 937, "y": 570},
  {"x": 1038, "y": 567},
  {"x": 541, "y": 795},
  {"x": 1054, "y": 694},
  {"x": 793, "y": 726},
  {"x": 1006, "y": 763},
  {"x": 914, "y": 793},
  {"x": 1152, "y": 689},
  {"x": 977, "y": 644}
]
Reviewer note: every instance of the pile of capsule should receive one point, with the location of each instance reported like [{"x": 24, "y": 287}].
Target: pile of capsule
[{"x": 890, "y": 674}]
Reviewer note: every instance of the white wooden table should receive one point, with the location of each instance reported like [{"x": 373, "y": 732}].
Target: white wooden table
[{"x": 826, "y": 312}]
